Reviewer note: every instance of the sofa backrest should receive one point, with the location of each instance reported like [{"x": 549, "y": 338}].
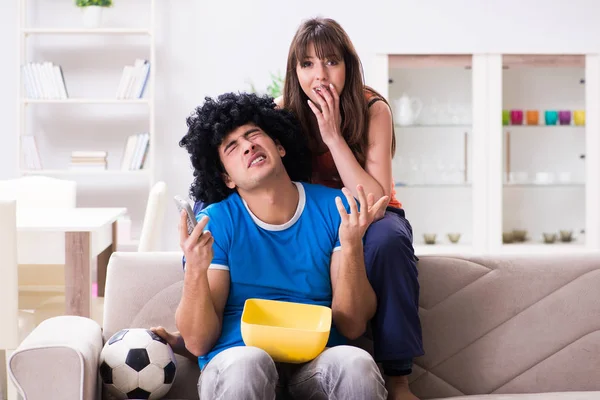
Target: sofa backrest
[
  {"x": 143, "y": 290},
  {"x": 511, "y": 324}
]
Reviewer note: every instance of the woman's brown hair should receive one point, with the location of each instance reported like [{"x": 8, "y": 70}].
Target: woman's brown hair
[{"x": 328, "y": 38}]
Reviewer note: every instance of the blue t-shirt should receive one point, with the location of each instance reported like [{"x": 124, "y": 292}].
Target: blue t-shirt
[{"x": 289, "y": 262}]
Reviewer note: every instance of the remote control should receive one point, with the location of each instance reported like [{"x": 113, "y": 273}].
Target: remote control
[{"x": 191, "y": 218}]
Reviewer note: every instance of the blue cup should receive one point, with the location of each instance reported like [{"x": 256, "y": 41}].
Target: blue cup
[{"x": 551, "y": 117}]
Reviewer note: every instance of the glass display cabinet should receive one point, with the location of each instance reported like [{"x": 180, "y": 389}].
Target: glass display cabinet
[{"x": 496, "y": 153}]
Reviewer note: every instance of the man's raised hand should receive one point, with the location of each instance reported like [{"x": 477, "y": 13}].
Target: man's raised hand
[
  {"x": 355, "y": 224},
  {"x": 197, "y": 247}
]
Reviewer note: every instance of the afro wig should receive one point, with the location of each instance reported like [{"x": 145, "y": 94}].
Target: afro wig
[{"x": 211, "y": 122}]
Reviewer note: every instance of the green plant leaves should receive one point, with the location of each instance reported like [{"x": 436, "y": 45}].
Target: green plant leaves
[
  {"x": 99, "y": 3},
  {"x": 274, "y": 89}
]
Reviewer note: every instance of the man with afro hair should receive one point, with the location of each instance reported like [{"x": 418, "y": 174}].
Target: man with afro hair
[{"x": 269, "y": 234}]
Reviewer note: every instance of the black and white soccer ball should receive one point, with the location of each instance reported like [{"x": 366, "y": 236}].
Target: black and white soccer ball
[{"x": 137, "y": 364}]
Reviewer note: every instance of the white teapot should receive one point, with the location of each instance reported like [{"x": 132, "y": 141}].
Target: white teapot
[{"x": 407, "y": 110}]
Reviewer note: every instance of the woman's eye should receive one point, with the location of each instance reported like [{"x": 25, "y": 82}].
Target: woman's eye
[
  {"x": 332, "y": 62},
  {"x": 306, "y": 64}
]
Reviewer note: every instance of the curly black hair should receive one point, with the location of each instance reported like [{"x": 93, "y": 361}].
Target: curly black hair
[{"x": 211, "y": 122}]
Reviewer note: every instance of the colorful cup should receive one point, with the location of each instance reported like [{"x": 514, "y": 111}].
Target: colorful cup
[
  {"x": 551, "y": 117},
  {"x": 533, "y": 117},
  {"x": 579, "y": 117},
  {"x": 564, "y": 117},
  {"x": 505, "y": 117},
  {"x": 516, "y": 117}
]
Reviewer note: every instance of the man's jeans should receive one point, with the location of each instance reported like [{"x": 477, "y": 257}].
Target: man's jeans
[{"x": 340, "y": 372}]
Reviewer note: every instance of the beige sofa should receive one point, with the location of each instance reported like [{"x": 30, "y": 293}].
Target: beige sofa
[{"x": 506, "y": 326}]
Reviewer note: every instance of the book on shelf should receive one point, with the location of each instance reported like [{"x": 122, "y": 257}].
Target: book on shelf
[
  {"x": 88, "y": 160},
  {"x": 135, "y": 155},
  {"x": 133, "y": 80},
  {"x": 136, "y": 152},
  {"x": 44, "y": 81},
  {"x": 30, "y": 153}
]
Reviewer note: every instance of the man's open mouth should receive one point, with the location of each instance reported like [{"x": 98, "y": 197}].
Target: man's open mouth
[{"x": 257, "y": 159}]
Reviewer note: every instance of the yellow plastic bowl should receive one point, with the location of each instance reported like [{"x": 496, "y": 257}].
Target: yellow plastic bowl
[{"x": 288, "y": 332}]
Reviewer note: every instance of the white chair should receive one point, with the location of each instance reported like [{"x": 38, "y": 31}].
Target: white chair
[
  {"x": 9, "y": 288},
  {"x": 153, "y": 218},
  {"x": 40, "y": 191},
  {"x": 40, "y": 279}
]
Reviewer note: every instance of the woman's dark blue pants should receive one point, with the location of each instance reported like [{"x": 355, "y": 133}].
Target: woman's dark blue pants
[{"x": 392, "y": 271}]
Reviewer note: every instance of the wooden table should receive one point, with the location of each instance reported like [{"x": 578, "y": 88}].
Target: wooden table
[{"x": 86, "y": 232}]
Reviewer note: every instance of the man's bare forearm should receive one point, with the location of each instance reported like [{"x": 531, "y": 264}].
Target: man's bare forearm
[
  {"x": 196, "y": 317},
  {"x": 354, "y": 301},
  {"x": 179, "y": 348}
]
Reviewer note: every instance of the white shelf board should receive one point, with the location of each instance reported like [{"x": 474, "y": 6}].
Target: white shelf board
[
  {"x": 507, "y": 249},
  {"x": 86, "y": 101},
  {"x": 431, "y": 185},
  {"x": 76, "y": 31},
  {"x": 442, "y": 249},
  {"x": 543, "y": 248},
  {"x": 142, "y": 173},
  {"x": 540, "y": 126},
  {"x": 540, "y": 184},
  {"x": 463, "y": 126}
]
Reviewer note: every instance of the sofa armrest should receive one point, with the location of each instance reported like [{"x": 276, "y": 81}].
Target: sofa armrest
[{"x": 58, "y": 360}]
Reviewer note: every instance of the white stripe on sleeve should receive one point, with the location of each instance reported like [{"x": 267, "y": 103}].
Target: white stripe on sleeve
[{"x": 219, "y": 266}]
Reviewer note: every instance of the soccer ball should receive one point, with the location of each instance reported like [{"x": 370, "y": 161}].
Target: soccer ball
[{"x": 137, "y": 364}]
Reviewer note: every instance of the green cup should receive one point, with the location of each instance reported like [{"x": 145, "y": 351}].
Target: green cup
[{"x": 505, "y": 117}]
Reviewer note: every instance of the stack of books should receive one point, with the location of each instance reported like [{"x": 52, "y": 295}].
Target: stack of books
[
  {"x": 135, "y": 155},
  {"x": 88, "y": 160},
  {"x": 44, "y": 81},
  {"x": 136, "y": 152},
  {"x": 133, "y": 80}
]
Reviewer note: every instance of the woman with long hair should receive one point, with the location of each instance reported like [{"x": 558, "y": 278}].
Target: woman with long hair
[{"x": 350, "y": 131}]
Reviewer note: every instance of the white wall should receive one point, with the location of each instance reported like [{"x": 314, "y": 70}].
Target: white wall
[{"x": 205, "y": 48}]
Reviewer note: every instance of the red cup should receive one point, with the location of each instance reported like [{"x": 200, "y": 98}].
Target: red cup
[{"x": 516, "y": 117}]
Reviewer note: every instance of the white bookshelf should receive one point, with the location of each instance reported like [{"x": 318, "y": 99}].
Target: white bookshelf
[
  {"x": 61, "y": 40},
  {"x": 86, "y": 101},
  {"x": 99, "y": 31},
  {"x": 24, "y": 102},
  {"x": 141, "y": 174}
]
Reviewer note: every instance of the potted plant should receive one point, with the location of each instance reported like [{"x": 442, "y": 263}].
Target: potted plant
[
  {"x": 92, "y": 11},
  {"x": 274, "y": 89}
]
